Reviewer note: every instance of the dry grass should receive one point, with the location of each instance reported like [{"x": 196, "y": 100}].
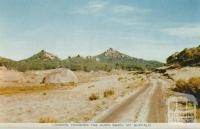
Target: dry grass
[
  {"x": 181, "y": 83},
  {"x": 192, "y": 83},
  {"x": 109, "y": 92},
  {"x": 120, "y": 78},
  {"x": 69, "y": 84},
  {"x": 123, "y": 93},
  {"x": 98, "y": 107},
  {"x": 27, "y": 89},
  {"x": 47, "y": 120},
  {"x": 93, "y": 96}
]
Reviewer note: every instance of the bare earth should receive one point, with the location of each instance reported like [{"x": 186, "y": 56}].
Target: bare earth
[
  {"x": 146, "y": 105},
  {"x": 136, "y": 98}
]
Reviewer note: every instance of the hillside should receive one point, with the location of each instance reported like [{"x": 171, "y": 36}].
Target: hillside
[
  {"x": 40, "y": 61},
  {"x": 187, "y": 57},
  {"x": 85, "y": 63},
  {"x": 108, "y": 60},
  {"x": 43, "y": 56},
  {"x": 6, "y": 62},
  {"x": 119, "y": 60}
]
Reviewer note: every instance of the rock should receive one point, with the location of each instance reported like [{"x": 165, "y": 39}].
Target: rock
[{"x": 61, "y": 75}]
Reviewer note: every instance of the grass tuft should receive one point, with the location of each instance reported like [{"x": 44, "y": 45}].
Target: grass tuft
[
  {"x": 109, "y": 92},
  {"x": 47, "y": 120},
  {"x": 93, "y": 96}
]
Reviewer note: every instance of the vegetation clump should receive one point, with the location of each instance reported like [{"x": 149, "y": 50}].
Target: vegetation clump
[
  {"x": 47, "y": 120},
  {"x": 191, "y": 85},
  {"x": 93, "y": 96},
  {"x": 109, "y": 92}
]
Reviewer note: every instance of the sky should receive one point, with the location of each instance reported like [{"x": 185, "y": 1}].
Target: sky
[{"x": 148, "y": 29}]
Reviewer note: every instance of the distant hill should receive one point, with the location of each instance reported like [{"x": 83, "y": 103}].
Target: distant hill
[
  {"x": 6, "y": 62},
  {"x": 187, "y": 57},
  {"x": 40, "y": 61},
  {"x": 119, "y": 60},
  {"x": 43, "y": 56},
  {"x": 108, "y": 60}
]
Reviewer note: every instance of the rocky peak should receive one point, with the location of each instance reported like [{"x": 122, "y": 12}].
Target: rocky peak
[
  {"x": 114, "y": 53},
  {"x": 111, "y": 52}
]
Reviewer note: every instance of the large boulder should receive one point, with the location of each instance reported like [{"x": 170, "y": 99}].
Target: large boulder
[{"x": 61, "y": 75}]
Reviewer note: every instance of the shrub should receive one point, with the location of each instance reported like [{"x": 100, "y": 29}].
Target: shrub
[
  {"x": 194, "y": 82},
  {"x": 192, "y": 85},
  {"x": 120, "y": 78},
  {"x": 109, "y": 92},
  {"x": 93, "y": 96},
  {"x": 181, "y": 84}
]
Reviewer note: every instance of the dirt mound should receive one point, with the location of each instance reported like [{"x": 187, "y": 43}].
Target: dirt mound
[{"x": 60, "y": 76}]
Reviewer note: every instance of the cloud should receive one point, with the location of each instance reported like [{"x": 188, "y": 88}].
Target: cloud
[
  {"x": 92, "y": 8},
  {"x": 104, "y": 7},
  {"x": 124, "y": 9},
  {"x": 96, "y": 6},
  {"x": 188, "y": 31}
]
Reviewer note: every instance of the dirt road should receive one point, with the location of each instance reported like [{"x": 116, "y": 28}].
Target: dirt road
[{"x": 146, "y": 105}]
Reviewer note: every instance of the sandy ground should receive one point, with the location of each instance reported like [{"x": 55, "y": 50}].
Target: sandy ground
[
  {"x": 184, "y": 73},
  {"x": 65, "y": 105},
  {"x": 137, "y": 97}
]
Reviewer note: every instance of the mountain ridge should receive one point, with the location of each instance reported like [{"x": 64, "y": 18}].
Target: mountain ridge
[
  {"x": 124, "y": 61},
  {"x": 110, "y": 59}
]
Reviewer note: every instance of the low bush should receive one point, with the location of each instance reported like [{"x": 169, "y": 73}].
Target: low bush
[
  {"x": 192, "y": 85},
  {"x": 109, "y": 92},
  {"x": 181, "y": 84},
  {"x": 194, "y": 82},
  {"x": 120, "y": 78},
  {"x": 93, "y": 96}
]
